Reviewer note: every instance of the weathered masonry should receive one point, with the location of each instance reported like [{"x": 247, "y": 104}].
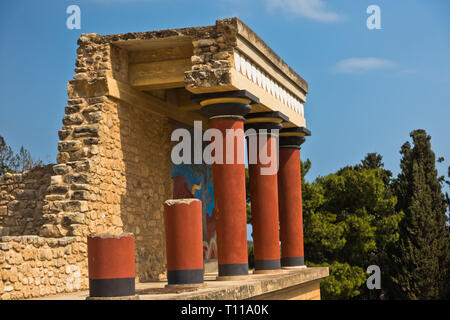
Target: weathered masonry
[{"x": 114, "y": 168}]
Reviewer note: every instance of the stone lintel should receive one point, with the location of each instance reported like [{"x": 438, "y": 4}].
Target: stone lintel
[
  {"x": 248, "y": 34},
  {"x": 137, "y": 41},
  {"x": 121, "y": 91},
  {"x": 227, "y": 56}
]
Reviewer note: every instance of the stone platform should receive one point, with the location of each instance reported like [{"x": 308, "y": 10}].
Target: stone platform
[{"x": 302, "y": 284}]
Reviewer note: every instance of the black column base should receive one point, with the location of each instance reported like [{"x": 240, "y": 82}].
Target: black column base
[
  {"x": 293, "y": 262},
  {"x": 185, "y": 276},
  {"x": 267, "y": 264},
  {"x": 118, "y": 287},
  {"x": 233, "y": 269}
]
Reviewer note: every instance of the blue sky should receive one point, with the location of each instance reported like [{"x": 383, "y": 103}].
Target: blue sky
[{"x": 368, "y": 88}]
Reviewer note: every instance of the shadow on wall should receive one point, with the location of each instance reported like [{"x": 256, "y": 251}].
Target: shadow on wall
[{"x": 140, "y": 166}]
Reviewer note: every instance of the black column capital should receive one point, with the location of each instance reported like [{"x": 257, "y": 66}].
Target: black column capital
[
  {"x": 265, "y": 120},
  {"x": 293, "y": 137},
  {"x": 227, "y": 104}
]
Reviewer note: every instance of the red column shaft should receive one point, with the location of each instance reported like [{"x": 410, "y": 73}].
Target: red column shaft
[
  {"x": 184, "y": 241},
  {"x": 111, "y": 265},
  {"x": 230, "y": 205},
  {"x": 290, "y": 205},
  {"x": 264, "y": 203}
]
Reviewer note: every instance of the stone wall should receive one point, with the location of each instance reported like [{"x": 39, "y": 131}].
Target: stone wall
[
  {"x": 69, "y": 210},
  {"x": 131, "y": 180},
  {"x": 112, "y": 175},
  {"x": 127, "y": 149},
  {"x": 113, "y": 172},
  {"x": 33, "y": 266},
  {"x": 21, "y": 201},
  {"x": 213, "y": 56}
]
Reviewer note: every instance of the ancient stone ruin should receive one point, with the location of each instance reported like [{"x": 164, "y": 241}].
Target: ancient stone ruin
[{"x": 114, "y": 168}]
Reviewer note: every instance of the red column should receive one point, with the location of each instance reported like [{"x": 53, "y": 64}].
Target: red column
[
  {"x": 184, "y": 241},
  {"x": 226, "y": 110},
  {"x": 264, "y": 206},
  {"x": 262, "y": 130},
  {"x": 111, "y": 265},
  {"x": 290, "y": 204},
  {"x": 230, "y": 204},
  {"x": 290, "y": 197}
]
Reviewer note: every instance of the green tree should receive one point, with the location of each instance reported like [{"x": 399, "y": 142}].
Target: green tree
[
  {"x": 25, "y": 161},
  {"x": 349, "y": 219},
  {"x": 343, "y": 282},
  {"x": 420, "y": 257},
  {"x": 375, "y": 161},
  {"x": 7, "y": 158},
  {"x": 10, "y": 162},
  {"x": 372, "y": 161},
  {"x": 448, "y": 234}
]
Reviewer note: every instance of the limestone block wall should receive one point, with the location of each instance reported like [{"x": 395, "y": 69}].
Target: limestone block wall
[
  {"x": 114, "y": 159},
  {"x": 127, "y": 149},
  {"x": 113, "y": 171},
  {"x": 21, "y": 201},
  {"x": 69, "y": 210},
  {"x": 33, "y": 266},
  {"x": 213, "y": 56},
  {"x": 130, "y": 181},
  {"x": 112, "y": 175}
]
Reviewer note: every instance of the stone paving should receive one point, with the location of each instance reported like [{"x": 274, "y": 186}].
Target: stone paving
[{"x": 254, "y": 286}]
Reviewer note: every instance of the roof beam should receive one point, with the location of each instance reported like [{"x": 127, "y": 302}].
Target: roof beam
[{"x": 158, "y": 74}]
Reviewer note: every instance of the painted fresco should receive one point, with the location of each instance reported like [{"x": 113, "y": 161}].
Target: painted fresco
[{"x": 195, "y": 181}]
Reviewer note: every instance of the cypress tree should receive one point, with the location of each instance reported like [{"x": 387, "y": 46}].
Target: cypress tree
[{"x": 420, "y": 257}]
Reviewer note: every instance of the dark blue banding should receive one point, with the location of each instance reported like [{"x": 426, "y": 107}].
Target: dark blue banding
[
  {"x": 185, "y": 276},
  {"x": 291, "y": 141},
  {"x": 293, "y": 262},
  {"x": 233, "y": 269},
  {"x": 267, "y": 264},
  {"x": 263, "y": 125},
  {"x": 231, "y": 109},
  {"x": 118, "y": 287}
]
